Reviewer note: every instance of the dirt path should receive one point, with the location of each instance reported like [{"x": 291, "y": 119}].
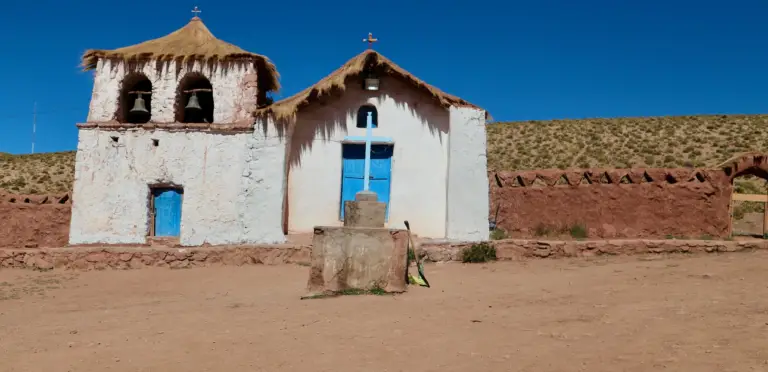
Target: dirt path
[{"x": 705, "y": 313}]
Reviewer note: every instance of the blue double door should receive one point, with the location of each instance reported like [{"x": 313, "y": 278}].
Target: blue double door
[
  {"x": 353, "y": 172},
  {"x": 167, "y": 211}
]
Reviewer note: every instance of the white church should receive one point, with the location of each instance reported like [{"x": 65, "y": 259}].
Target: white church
[{"x": 182, "y": 142}]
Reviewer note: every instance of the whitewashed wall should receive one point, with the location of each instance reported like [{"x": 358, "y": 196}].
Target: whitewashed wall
[
  {"x": 233, "y": 90},
  {"x": 233, "y": 185},
  {"x": 467, "y": 176},
  {"x": 419, "y": 129}
]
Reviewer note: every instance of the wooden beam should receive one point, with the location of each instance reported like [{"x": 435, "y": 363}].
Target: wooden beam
[{"x": 751, "y": 198}]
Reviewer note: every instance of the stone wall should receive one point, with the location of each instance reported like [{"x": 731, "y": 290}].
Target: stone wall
[
  {"x": 632, "y": 203},
  {"x": 132, "y": 257},
  {"x": 31, "y": 221},
  {"x": 520, "y": 249}
]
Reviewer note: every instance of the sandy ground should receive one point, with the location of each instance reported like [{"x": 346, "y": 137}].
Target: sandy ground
[{"x": 681, "y": 313}]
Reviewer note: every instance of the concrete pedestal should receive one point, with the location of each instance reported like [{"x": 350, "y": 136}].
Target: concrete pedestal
[
  {"x": 365, "y": 211},
  {"x": 357, "y": 258}
]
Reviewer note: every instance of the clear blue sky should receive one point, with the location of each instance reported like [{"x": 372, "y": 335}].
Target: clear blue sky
[{"x": 521, "y": 60}]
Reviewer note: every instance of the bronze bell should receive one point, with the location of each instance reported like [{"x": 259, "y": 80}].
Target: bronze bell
[
  {"x": 193, "y": 103},
  {"x": 138, "y": 106}
]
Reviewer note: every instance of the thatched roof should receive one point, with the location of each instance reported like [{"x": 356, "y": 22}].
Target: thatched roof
[
  {"x": 191, "y": 42},
  {"x": 337, "y": 81}
]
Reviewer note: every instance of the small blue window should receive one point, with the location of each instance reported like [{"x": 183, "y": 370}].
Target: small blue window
[{"x": 362, "y": 116}]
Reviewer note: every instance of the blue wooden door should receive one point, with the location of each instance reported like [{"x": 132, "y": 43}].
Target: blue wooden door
[
  {"x": 353, "y": 172},
  {"x": 167, "y": 211}
]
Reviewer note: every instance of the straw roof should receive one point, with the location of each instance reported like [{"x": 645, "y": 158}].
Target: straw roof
[
  {"x": 337, "y": 81},
  {"x": 191, "y": 42}
]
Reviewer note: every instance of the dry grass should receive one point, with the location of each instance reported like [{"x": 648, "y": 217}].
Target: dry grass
[
  {"x": 681, "y": 141},
  {"x": 43, "y": 173}
]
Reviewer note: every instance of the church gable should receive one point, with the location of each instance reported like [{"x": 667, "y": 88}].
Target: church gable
[{"x": 353, "y": 74}]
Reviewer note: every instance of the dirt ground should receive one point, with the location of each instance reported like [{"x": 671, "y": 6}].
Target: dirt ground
[{"x": 680, "y": 313}]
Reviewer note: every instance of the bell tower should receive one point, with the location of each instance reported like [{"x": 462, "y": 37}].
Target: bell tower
[{"x": 186, "y": 77}]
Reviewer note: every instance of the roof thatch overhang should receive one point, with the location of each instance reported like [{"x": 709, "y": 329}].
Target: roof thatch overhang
[
  {"x": 337, "y": 81},
  {"x": 193, "y": 42}
]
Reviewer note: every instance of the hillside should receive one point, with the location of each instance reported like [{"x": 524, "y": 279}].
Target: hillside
[
  {"x": 624, "y": 142},
  {"x": 701, "y": 141},
  {"x": 37, "y": 173}
]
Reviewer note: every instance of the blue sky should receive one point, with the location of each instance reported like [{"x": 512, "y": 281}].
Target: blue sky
[{"x": 521, "y": 60}]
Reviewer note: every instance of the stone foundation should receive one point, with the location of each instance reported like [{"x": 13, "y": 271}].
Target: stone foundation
[
  {"x": 134, "y": 257},
  {"x": 99, "y": 258},
  {"x": 517, "y": 249}
]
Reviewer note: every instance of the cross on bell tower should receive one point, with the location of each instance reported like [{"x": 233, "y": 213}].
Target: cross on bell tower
[{"x": 196, "y": 11}]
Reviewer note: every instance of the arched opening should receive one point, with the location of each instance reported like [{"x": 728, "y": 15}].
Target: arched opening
[
  {"x": 749, "y": 178},
  {"x": 135, "y": 103},
  {"x": 362, "y": 116},
  {"x": 194, "y": 99}
]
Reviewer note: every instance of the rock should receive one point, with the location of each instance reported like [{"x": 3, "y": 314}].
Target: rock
[
  {"x": 80, "y": 264},
  {"x": 96, "y": 257},
  {"x": 180, "y": 255},
  {"x": 136, "y": 263},
  {"x": 199, "y": 256},
  {"x": 43, "y": 264},
  {"x": 125, "y": 257},
  {"x": 59, "y": 262},
  {"x": 179, "y": 264},
  {"x": 30, "y": 245},
  {"x": 4, "y": 254}
]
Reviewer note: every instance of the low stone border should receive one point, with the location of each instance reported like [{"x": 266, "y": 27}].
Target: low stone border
[
  {"x": 517, "y": 249},
  {"x": 99, "y": 258},
  {"x": 132, "y": 257}
]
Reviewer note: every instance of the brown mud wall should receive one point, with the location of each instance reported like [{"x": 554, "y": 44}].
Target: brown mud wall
[
  {"x": 631, "y": 203},
  {"x": 32, "y": 221}
]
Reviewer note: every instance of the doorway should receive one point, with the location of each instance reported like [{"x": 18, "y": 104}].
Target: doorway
[
  {"x": 353, "y": 172},
  {"x": 165, "y": 207}
]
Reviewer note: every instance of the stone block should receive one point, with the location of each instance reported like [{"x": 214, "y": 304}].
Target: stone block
[
  {"x": 364, "y": 214},
  {"x": 357, "y": 258}
]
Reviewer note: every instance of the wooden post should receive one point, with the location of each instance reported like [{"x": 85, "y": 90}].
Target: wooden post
[
  {"x": 752, "y": 198},
  {"x": 765, "y": 220}
]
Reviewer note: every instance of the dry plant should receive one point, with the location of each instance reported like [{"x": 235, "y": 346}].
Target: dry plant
[{"x": 44, "y": 173}]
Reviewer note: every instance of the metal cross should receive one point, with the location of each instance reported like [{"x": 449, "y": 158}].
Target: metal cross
[
  {"x": 196, "y": 11},
  {"x": 370, "y": 40}
]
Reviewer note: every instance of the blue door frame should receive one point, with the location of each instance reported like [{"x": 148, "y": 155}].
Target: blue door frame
[
  {"x": 166, "y": 205},
  {"x": 353, "y": 172}
]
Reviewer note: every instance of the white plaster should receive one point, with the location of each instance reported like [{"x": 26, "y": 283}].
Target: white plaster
[
  {"x": 467, "y": 218},
  {"x": 228, "y": 83},
  {"x": 232, "y": 185},
  {"x": 419, "y": 129}
]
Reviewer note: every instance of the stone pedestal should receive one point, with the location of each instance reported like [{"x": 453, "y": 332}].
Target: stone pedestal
[
  {"x": 362, "y": 254},
  {"x": 357, "y": 258},
  {"x": 365, "y": 211}
]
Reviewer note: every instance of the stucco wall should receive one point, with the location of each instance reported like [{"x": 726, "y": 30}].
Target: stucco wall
[
  {"x": 419, "y": 129},
  {"x": 34, "y": 221},
  {"x": 232, "y": 185},
  {"x": 467, "y": 218},
  {"x": 234, "y": 89},
  {"x": 638, "y": 203}
]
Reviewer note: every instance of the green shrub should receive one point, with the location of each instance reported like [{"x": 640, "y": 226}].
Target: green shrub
[
  {"x": 578, "y": 231},
  {"x": 498, "y": 234},
  {"x": 481, "y": 252}
]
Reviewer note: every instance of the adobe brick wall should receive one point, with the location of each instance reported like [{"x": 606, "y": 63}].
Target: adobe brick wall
[
  {"x": 631, "y": 203},
  {"x": 32, "y": 221}
]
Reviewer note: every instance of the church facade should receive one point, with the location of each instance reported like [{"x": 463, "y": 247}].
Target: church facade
[{"x": 181, "y": 142}]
